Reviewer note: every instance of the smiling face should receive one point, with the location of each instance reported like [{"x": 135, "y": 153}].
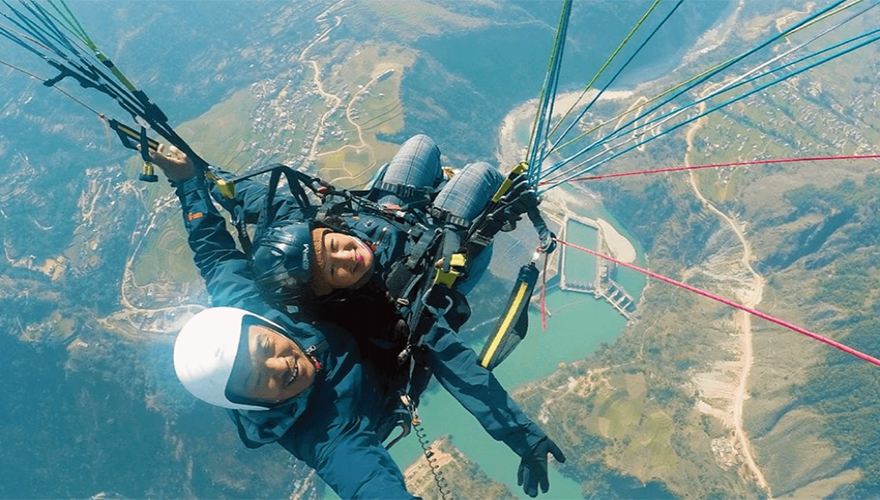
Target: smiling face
[
  {"x": 346, "y": 260},
  {"x": 272, "y": 369}
]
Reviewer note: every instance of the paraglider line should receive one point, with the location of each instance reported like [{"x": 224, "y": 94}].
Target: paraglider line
[
  {"x": 544, "y": 294},
  {"x": 718, "y": 298},
  {"x": 622, "y": 129},
  {"x": 714, "y": 165},
  {"x": 602, "y": 70}
]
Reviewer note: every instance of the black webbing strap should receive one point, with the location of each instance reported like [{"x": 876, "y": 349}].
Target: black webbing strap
[
  {"x": 405, "y": 190},
  {"x": 446, "y": 217},
  {"x": 267, "y": 213}
]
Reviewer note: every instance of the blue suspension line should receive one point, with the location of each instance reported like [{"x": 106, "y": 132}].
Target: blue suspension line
[
  {"x": 77, "y": 64},
  {"x": 697, "y": 82},
  {"x": 555, "y": 144},
  {"x": 607, "y": 63},
  {"x": 70, "y": 22},
  {"x": 669, "y": 115},
  {"x": 634, "y": 122},
  {"x": 49, "y": 27},
  {"x": 537, "y": 140},
  {"x": 717, "y": 107},
  {"x": 18, "y": 38},
  {"x": 29, "y": 27},
  {"x": 729, "y": 85}
]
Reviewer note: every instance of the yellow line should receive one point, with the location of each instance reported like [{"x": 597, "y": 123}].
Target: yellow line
[{"x": 496, "y": 340}]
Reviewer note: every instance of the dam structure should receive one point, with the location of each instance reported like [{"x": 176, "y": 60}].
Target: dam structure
[{"x": 598, "y": 278}]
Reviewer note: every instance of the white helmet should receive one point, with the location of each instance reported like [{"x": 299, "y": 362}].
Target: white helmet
[{"x": 205, "y": 350}]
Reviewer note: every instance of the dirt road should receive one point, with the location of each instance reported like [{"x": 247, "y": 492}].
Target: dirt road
[{"x": 749, "y": 292}]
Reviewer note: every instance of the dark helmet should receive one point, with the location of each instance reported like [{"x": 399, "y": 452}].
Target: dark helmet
[{"x": 282, "y": 257}]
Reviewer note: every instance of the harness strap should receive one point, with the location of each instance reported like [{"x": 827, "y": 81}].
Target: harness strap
[
  {"x": 400, "y": 281},
  {"x": 404, "y": 190},
  {"x": 295, "y": 181},
  {"x": 446, "y": 217},
  {"x": 417, "y": 253}
]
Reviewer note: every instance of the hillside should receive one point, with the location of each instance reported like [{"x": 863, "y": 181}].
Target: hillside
[{"x": 706, "y": 400}]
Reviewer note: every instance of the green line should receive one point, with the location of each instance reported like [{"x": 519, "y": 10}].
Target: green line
[
  {"x": 550, "y": 65},
  {"x": 698, "y": 76},
  {"x": 73, "y": 25},
  {"x": 601, "y": 70},
  {"x": 75, "y": 20},
  {"x": 68, "y": 24},
  {"x": 826, "y": 15}
]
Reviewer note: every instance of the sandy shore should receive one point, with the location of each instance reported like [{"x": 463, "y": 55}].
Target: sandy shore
[
  {"x": 511, "y": 151},
  {"x": 620, "y": 247}
]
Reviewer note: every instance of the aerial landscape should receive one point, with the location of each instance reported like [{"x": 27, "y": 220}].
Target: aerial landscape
[{"x": 651, "y": 391}]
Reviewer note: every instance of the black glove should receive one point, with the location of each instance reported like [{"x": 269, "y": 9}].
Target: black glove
[
  {"x": 520, "y": 197},
  {"x": 533, "y": 467}
]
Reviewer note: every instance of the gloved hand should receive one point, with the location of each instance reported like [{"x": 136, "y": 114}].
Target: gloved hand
[
  {"x": 520, "y": 197},
  {"x": 533, "y": 467}
]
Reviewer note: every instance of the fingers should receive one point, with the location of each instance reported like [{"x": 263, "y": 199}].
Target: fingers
[
  {"x": 169, "y": 155},
  {"x": 525, "y": 477},
  {"x": 531, "y": 488},
  {"x": 154, "y": 155},
  {"x": 173, "y": 162},
  {"x": 557, "y": 454}
]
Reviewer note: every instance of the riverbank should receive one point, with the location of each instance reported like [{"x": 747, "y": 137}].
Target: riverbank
[{"x": 513, "y": 136}]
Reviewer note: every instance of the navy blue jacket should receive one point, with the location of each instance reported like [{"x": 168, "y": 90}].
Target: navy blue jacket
[
  {"x": 453, "y": 363},
  {"x": 336, "y": 433}
]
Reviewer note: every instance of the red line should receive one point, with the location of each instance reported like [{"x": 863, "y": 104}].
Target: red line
[
  {"x": 717, "y": 165},
  {"x": 718, "y": 298},
  {"x": 544, "y": 294}
]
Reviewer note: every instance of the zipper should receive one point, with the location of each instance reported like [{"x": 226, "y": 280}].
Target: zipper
[
  {"x": 381, "y": 237},
  {"x": 313, "y": 350}
]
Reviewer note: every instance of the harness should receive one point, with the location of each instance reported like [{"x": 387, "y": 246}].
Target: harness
[
  {"x": 409, "y": 278},
  {"x": 421, "y": 291}
]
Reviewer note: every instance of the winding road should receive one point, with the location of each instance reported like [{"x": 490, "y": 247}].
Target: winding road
[
  {"x": 334, "y": 100},
  {"x": 749, "y": 294}
]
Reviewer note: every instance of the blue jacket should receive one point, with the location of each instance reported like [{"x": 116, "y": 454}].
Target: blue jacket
[
  {"x": 336, "y": 432},
  {"x": 453, "y": 363}
]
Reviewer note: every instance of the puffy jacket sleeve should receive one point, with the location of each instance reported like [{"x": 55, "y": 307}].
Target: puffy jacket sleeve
[
  {"x": 457, "y": 369},
  {"x": 338, "y": 439},
  {"x": 224, "y": 267},
  {"x": 351, "y": 459}
]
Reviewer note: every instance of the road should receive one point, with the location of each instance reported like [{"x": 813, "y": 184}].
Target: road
[
  {"x": 749, "y": 293},
  {"x": 334, "y": 101}
]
